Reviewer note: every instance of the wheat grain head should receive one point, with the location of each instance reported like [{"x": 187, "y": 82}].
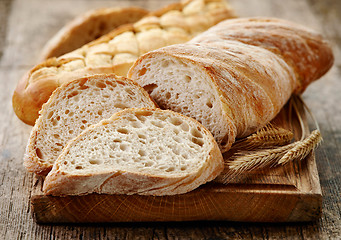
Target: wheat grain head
[
  {"x": 267, "y": 136},
  {"x": 302, "y": 148}
]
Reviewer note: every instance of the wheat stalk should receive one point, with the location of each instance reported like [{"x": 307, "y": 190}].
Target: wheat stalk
[
  {"x": 302, "y": 148},
  {"x": 246, "y": 161},
  {"x": 267, "y": 136}
]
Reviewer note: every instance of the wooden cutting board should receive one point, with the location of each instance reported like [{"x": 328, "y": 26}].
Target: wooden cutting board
[{"x": 282, "y": 194}]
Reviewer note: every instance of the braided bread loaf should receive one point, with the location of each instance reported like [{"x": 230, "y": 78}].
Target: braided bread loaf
[
  {"x": 235, "y": 77},
  {"x": 116, "y": 51}
]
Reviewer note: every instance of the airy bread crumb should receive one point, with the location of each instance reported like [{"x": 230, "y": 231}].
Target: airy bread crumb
[
  {"x": 137, "y": 151},
  {"x": 72, "y": 108}
]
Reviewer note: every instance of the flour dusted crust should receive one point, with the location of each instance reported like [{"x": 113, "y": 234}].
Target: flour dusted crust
[
  {"x": 116, "y": 51},
  {"x": 303, "y": 49},
  {"x": 88, "y": 27},
  {"x": 137, "y": 151},
  {"x": 72, "y": 108},
  {"x": 235, "y": 77}
]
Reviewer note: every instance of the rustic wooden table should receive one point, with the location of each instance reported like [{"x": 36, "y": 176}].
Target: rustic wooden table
[{"x": 25, "y": 25}]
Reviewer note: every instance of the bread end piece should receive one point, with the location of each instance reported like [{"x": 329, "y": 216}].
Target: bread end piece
[{"x": 27, "y": 98}]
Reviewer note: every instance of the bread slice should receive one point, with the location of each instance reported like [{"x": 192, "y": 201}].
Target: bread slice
[
  {"x": 88, "y": 27},
  {"x": 72, "y": 108},
  {"x": 137, "y": 151}
]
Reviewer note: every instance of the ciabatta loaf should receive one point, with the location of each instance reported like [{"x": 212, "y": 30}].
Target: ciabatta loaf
[
  {"x": 235, "y": 77},
  {"x": 116, "y": 51},
  {"x": 137, "y": 151},
  {"x": 88, "y": 27},
  {"x": 72, "y": 108}
]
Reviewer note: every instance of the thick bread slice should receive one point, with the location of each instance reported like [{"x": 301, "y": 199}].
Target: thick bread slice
[
  {"x": 137, "y": 151},
  {"x": 88, "y": 27},
  {"x": 116, "y": 51},
  {"x": 235, "y": 77},
  {"x": 72, "y": 108}
]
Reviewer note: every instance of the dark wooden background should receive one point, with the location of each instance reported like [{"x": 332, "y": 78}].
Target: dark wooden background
[{"x": 25, "y": 26}]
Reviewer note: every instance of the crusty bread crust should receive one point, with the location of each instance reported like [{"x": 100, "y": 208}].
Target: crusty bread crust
[
  {"x": 306, "y": 51},
  {"x": 255, "y": 65},
  {"x": 41, "y": 166},
  {"x": 88, "y": 27},
  {"x": 176, "y": 23},
  {"x": 59, "y": 182}
]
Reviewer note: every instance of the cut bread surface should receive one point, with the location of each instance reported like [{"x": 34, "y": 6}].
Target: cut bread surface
[
  {"x": 185, "y": 89},
  {"x": 163, "y": 151},
  {"x": 72, "y": 108}
]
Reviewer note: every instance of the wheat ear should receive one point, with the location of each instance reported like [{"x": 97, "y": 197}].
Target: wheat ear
[
  {"x": 243, "y": 162},
  {"x": 302, "y": 148},
  {"x": 267, "y": 136},
  {"x": 248, "y": 161}
]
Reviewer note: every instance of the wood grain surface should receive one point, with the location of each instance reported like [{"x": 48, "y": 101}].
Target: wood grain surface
[{"x": 27, "y": 24}]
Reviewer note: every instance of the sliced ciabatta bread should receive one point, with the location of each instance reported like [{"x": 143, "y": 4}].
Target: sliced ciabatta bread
[
  {"x": 137, "y": 151},
  {"x": 72, "y": 108},
  {"x": 235, "y": 77}
]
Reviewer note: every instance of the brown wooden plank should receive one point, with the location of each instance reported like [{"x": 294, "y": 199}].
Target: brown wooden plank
[{"x": 211, "y": 202}]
